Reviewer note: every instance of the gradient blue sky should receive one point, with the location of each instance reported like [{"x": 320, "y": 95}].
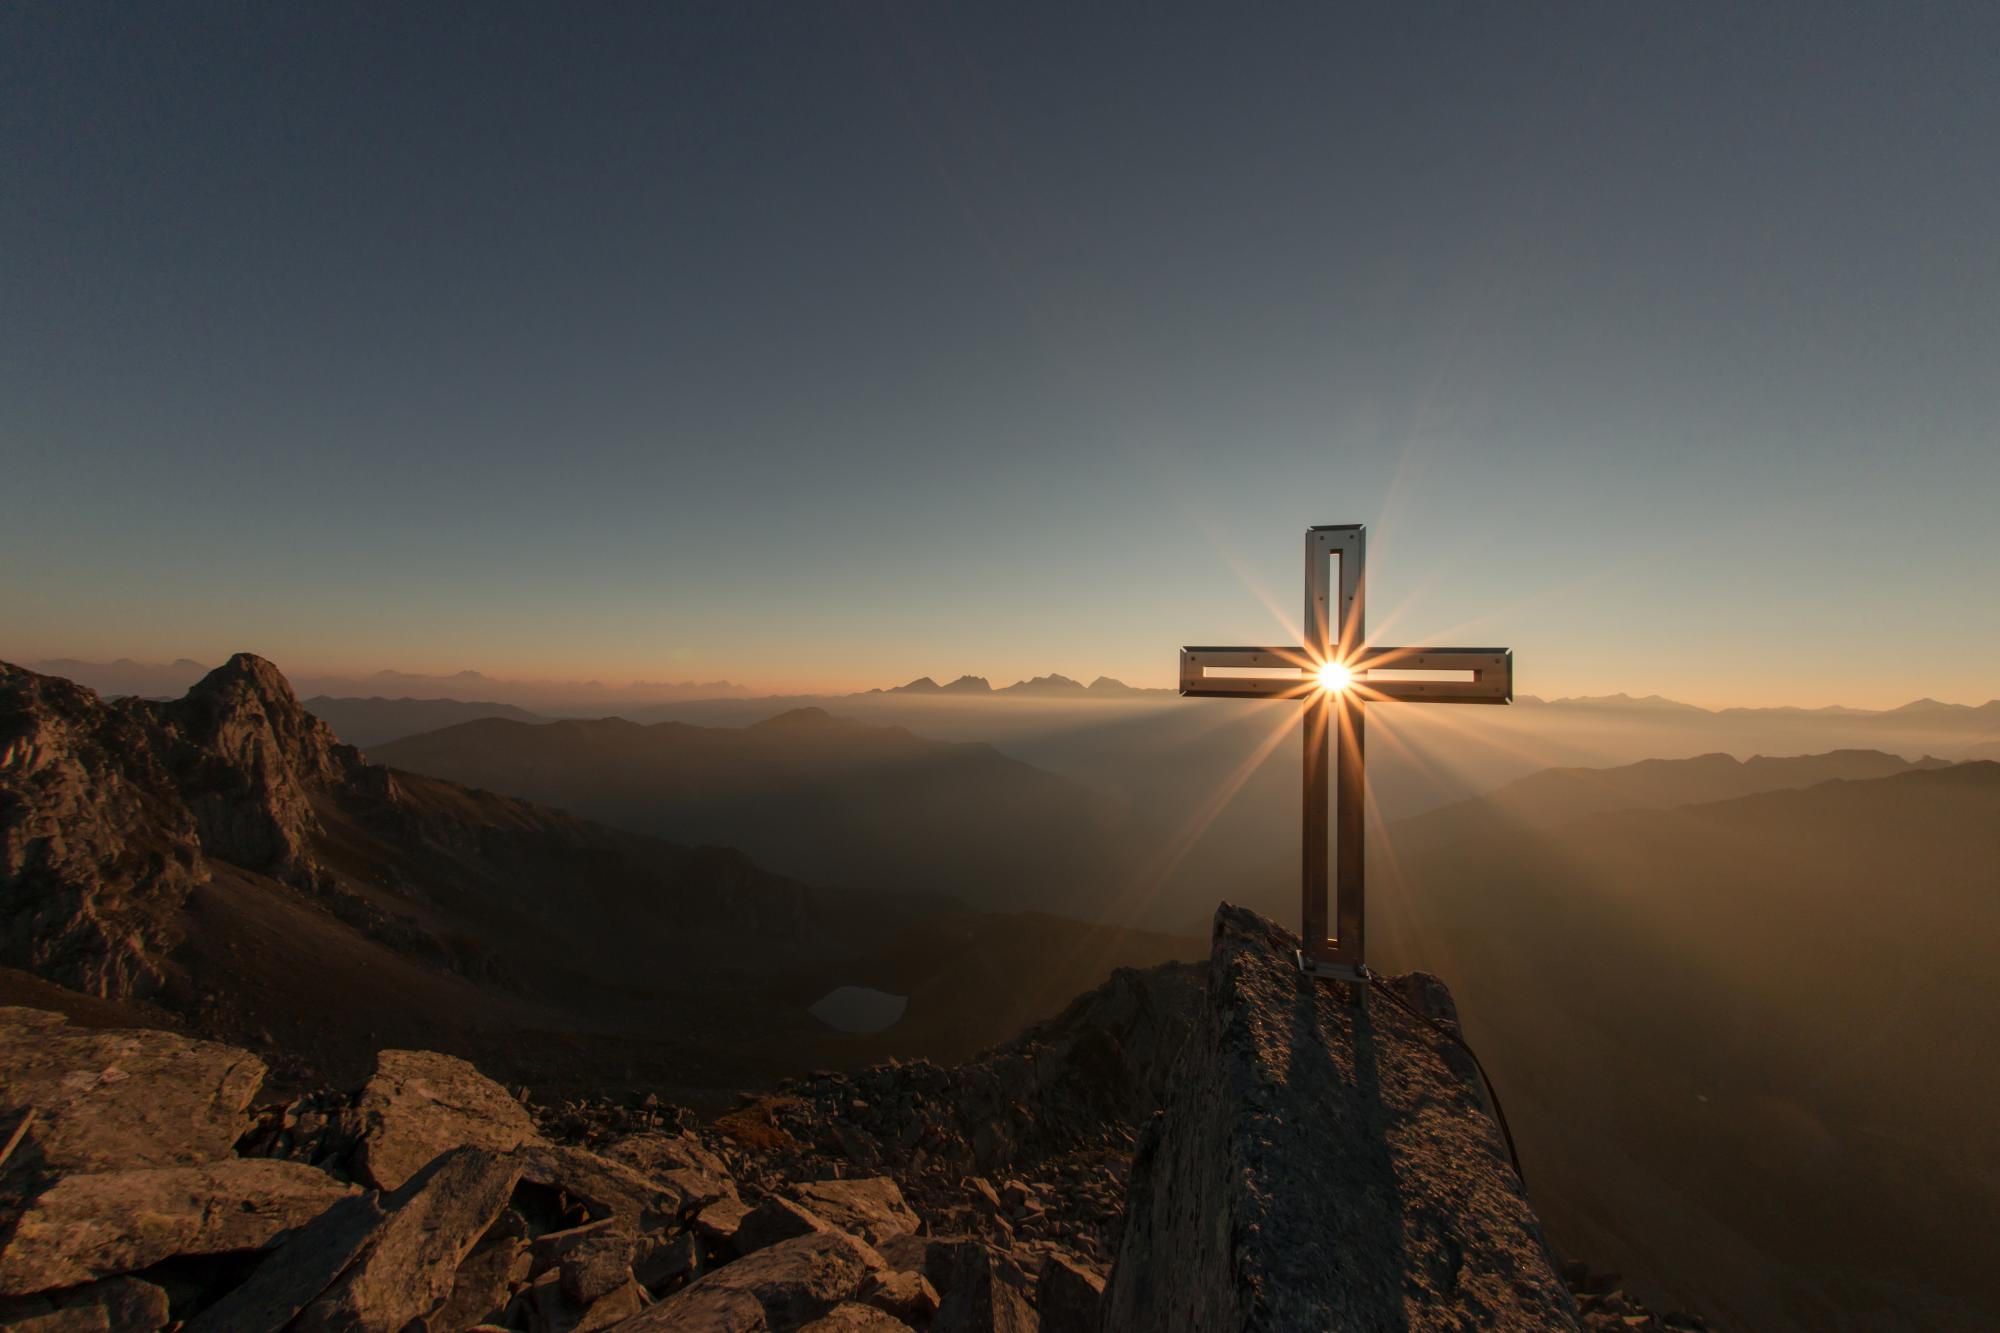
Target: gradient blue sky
[{"x": 826, "y": 345}]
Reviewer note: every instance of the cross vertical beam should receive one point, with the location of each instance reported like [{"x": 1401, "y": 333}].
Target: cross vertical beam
[
  {"x": 1335, "y": 747},
  {"x": 1335, "y": 673}
]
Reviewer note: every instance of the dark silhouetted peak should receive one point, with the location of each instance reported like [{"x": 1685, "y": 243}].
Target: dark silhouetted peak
[
  {"x": 1655, "y": 702},
  {"x": 1110, "y": 685},
  {"x": 798, "y": 720},
  {"x": 968, "y": 685},
  {"x": 1049, "y": 684},
  {"x": 1938, "y": 708},
  {"x": 921, "y": 685}
]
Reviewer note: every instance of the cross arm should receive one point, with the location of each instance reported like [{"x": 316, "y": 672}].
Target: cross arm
[
  {"x": 1409, "y": 675},
  {"x": 1436, "y": 675},
  {"x": 1247, "y": 673}
]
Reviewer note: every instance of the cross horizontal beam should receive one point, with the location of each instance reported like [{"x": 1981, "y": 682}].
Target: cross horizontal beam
[{"x": 1380, "y": 674}]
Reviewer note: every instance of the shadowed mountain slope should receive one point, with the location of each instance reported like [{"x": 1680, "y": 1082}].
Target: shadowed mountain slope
[
  {"x": 1764, "y": 1024},
  {"x": 224, "y": 859},
  {"x": 367, "y": 722},
  {"x": 1557, "y": 795},
  {"x": 810, "y": 795}
]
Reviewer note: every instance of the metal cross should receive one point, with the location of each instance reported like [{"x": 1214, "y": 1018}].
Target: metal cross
[{"x": 1337, "y": 673}]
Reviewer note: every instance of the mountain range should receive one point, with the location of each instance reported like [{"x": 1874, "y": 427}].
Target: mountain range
[
  {"x": 222, "y": 862},
  {"x": 810, "y": 795}
]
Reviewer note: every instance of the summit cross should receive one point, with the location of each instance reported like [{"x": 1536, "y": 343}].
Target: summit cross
[{"x": 1337, "y": 673}]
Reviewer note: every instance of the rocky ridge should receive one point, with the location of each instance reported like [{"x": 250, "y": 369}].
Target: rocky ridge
[
  {"x": 113, "y": 812},
  {"x": 987, "y": 1196}
]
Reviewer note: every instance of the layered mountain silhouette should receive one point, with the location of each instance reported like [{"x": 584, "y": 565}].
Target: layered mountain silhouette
[
  {"x": 812, "y": 795},
  {"x": 1557, "y": 795},
  {"x": 1763, "y": 1023},
  {"x": 224, "y": 862},
  {"x": 1050, "y": 686},
  {"x": 366, "y": 722}
]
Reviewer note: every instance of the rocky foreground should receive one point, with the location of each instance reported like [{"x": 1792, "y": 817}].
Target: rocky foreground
[{"x": 1316, "y": 1165}]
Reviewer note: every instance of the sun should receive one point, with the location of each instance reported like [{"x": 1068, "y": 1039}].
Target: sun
[{"x": 1335, "y": 676}]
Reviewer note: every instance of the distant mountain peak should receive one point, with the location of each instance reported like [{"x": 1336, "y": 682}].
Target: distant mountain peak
[
  {"x": 796, "y": 719},
  {"x": 921, "y": 685},
  {"x": 968, "y": 685},
  {"x": 1049, "y": 684}
]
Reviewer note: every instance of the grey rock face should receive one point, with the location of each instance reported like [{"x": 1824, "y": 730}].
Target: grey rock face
[
  {"x": 1069, "y": 1297},
  {"x": 419, "y": 1104},
  {"x": 1322, "y": 1165},
  {"x": 858, "y": 1318},
  {"x": 774, "y": 1220},
  {"x": 872, "y": 1208},
  {"x": 790, "y": 1283},
  {"x": 117, "y": 1305},
  {"x": 293, "y": 1276},
  {"x": 113, "y": 811},
  {"x": 608, "y": 1188},
  {"x": 114, "y": 1222},
  {"x": 981, "y": 1298},
  {"x": 97, "y": 853},
  {"x": 108, "y": 1100},
  {"x": 409, "y": 1265}
]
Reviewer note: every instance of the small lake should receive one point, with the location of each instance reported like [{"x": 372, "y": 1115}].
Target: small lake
[{"x": 859, "y": 1010}]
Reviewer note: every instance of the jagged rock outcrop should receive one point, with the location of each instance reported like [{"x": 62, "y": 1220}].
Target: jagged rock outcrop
[
  {"x": 111, "y": 812},
  {"x": 1324, "y": 1164}
]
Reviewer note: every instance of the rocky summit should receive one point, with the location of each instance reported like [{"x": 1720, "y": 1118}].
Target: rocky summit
[
  {"x": 1226, "y": 1148},
  {"x": 1322, "y": 1162}
]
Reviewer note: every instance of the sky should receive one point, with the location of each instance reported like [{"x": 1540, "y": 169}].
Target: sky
[{"x": 823, "y": 346}]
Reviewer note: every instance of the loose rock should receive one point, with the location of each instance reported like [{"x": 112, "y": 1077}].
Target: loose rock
[
  {"x": 407, "y": 1269},
  {"x": 420, "y": 1104},
  {"x": 113, "y": 1222},
  {"x": 110, "y": 1100}
]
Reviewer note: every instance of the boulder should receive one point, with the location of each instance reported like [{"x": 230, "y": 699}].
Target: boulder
[
  {"x": 872, "y": 1208},
  {"x": 296, "y": 1272},
  {"x": 776, "y": 1219},
  {"x": 116, "y": 1305},
  {"x": 595, "y": 1264},
  {"x": 1324, "y": 1164},
  {"x": 605, "y": 1187},
  {"x": 981, "y": 1298},
  {"x": 712, "y": 1311},
  {"x": 110, "y": 1100},
  {"x": 485, "y": 1281},
  {"x": 655, "y": 1154},
  {"x": 408, "y": 1266},
  {"x": 1019, "y": 1199},
  {"x": 942, "y": 1261},
  {"x": 720, "y": 1223},
  {"x": 659, "y": 1262},
  {"x": 696, "y": 1187},
  {"x": 848, "y": 1317},
  {"x": 113, "y": 1222},
  {"x": 907, "y": 1295},
  {"x": 614, "y": 1307},
  {"x": 1069, "y": 1297},
  {"x": 790, "y": 1283},
  {"x": 419, "y": 1105}
]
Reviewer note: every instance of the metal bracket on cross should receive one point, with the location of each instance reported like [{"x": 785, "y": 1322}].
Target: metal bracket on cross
[{"x": 1336, "y": 673}]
